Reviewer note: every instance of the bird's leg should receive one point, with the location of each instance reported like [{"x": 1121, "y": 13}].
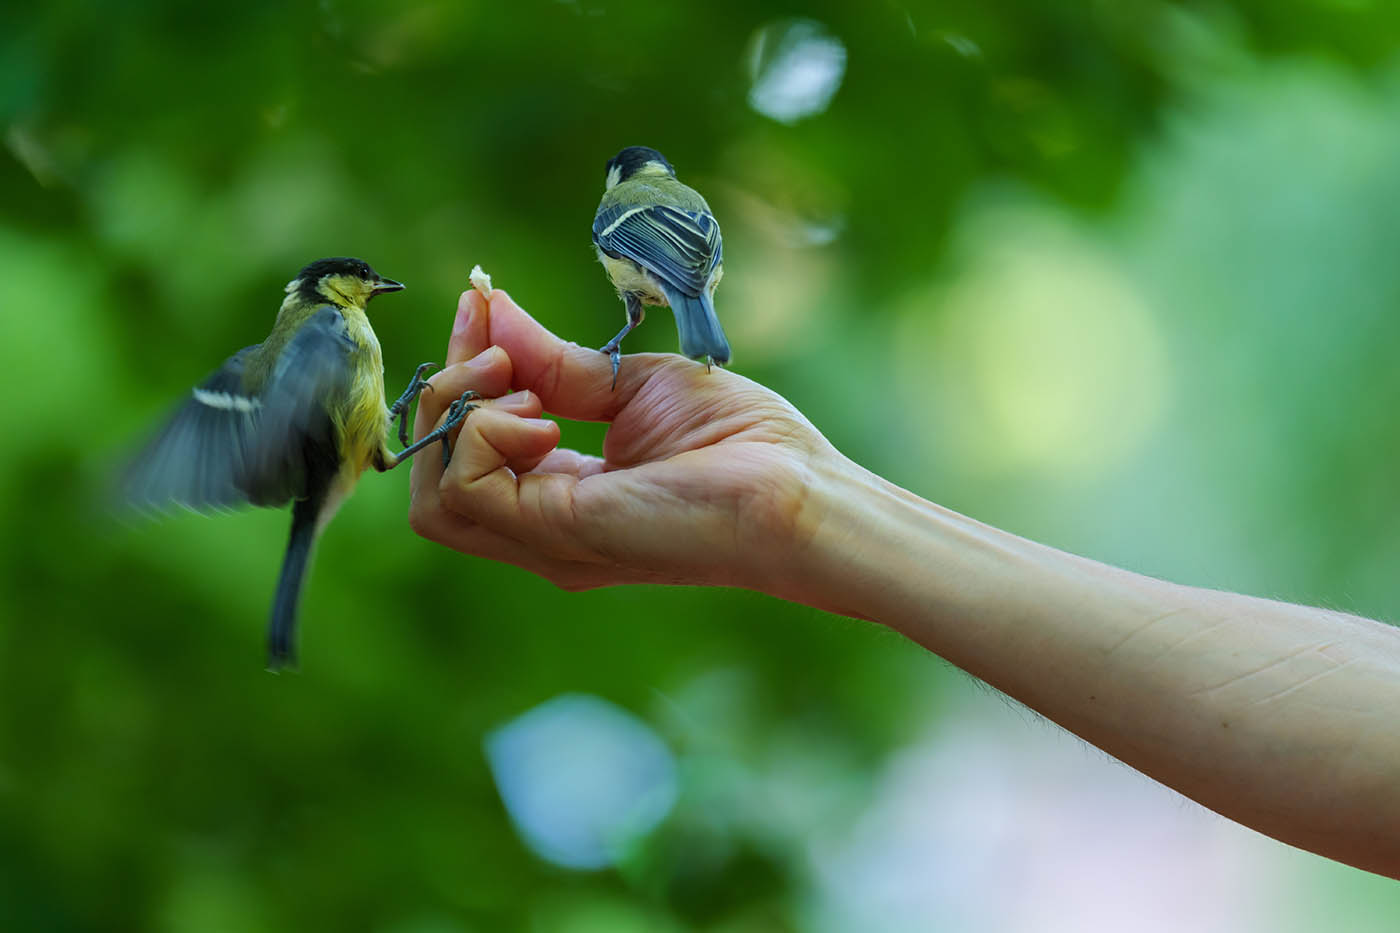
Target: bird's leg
[
  {"x": 456, "y": 413},
  {"x": 613, "y": 347},
  {"x": 399, "y": 410}
]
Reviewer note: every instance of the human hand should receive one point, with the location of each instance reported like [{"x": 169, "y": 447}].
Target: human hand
[
  {"x": 704, "y": 479},
  {"x": 708, "y": 478}
]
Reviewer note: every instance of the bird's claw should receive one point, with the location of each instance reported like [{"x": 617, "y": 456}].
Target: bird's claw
[
  {"x": 401, "y": 416},
  {"x": 614, "y": 353},
  {"x": 456, "y": 413},
  {"x": 398, "y": 412},
  {"x": 456, "y": 409}
]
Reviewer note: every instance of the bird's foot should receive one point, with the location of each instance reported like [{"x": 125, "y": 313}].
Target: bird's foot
[
  {"x": 614, "y": 352},
  {"x": 456, "y": 413},
  {"x": 399, "y": 410}
]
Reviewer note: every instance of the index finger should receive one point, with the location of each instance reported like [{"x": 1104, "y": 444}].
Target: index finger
[{"x": 469, "y": 328}]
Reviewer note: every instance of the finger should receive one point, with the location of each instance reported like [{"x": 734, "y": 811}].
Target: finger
[
  {"x": 488, "y": 373},
  {"x": 488, "y": 482},
  {"x": 564, "y": 460},
  {"x": 492, "y": 439},
  {"x": 522, "y": 404},
  {"x": 572, "y": 381},
  {"x": 469, "y": 328},
  {"x": 429, "y": 519}
]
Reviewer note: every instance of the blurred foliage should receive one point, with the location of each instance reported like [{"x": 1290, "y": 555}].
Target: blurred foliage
[{"x": 1117, "y": 276}]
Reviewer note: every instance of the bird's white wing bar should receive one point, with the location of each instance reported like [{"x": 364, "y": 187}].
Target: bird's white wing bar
[{"x": 226, "y": 401}]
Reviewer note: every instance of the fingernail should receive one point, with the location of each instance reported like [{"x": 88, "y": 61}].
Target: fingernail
[
  {"x": 485, "y": 358},
  {"x": 515, "y": 398},
  {"x": 463, "y": 321}
]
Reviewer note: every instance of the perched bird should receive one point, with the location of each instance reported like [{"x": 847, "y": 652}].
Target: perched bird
[
  {"x": 295, "y": 418},
  {"x": 661, "y": 246}
]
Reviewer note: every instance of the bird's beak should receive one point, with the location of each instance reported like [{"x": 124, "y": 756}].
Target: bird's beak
[{"x": 386, "y": 285}]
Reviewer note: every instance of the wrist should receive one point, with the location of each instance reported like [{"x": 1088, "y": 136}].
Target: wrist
[
  {"x": 866, "y": 548},
  {"x": 846, "y": 542}
]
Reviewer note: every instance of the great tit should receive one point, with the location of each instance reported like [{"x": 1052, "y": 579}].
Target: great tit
[
  {"x": 661, "y": 246},
  {"x": 295, "y": 418}
]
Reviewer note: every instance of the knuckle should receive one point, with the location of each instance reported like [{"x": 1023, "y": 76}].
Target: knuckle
[
  {"x": 424, "y": 519},
  {"x": 421, "y": 522},
  {"x": 453, "y": 495}
]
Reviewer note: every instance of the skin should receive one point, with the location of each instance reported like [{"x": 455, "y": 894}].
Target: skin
[{"x": 1280, "y": 717}]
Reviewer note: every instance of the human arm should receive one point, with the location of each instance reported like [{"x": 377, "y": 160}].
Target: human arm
[{"x": 1277, "y": 716}]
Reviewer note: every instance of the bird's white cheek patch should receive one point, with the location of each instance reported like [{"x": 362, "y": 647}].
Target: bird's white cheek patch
[{"x": 226, "y": 401}]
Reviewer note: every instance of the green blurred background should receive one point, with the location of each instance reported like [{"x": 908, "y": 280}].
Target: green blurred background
[{"x": 1118, "y": 276}]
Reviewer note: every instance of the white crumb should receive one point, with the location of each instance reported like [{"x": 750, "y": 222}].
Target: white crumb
[{"x": 481, "y": 281}]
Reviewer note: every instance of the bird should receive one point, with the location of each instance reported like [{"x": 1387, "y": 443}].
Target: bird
[
  {"x": 660, "y": 245},
  {"x": 296, "y": 418}
]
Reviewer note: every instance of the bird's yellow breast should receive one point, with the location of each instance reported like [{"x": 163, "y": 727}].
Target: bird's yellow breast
[{"x": 364, "y": 419}]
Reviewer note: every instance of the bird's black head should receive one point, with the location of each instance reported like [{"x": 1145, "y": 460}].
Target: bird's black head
[
  {"x": 637, "y": 160},
  {"x": 341, "y": 280}
]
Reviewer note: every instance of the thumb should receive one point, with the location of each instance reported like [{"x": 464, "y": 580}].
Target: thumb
[{"x": 572, "y": 381}]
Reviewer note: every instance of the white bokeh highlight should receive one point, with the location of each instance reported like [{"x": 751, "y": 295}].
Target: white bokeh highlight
[
  {"x": 795, "y": 67},
  {"x": 580, "y": 778}
]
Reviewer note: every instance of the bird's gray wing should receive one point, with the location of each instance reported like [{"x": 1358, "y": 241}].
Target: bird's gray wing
[
  {"x": 679, "y": 247},
  {"x": 293, "y": 451},
  {"x": 196, "y": 459},
  {"x": 227, "y": 445}
]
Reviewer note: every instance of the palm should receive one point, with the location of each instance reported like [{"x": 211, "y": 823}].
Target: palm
[{"x": 710, "y": 452}]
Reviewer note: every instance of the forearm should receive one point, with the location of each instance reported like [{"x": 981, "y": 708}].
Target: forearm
[{"x": 1278, "y": 716}]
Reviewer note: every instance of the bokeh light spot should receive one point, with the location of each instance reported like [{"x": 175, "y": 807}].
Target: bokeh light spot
[
  {"x": 1042, "y": 354},
  {"x": 795, "y": 67},
  {"x": 580, "y": 778}
]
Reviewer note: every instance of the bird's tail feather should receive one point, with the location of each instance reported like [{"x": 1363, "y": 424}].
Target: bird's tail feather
[
  {"x": 281, "y": 630},
  {"x": 701, "y": 335}
]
